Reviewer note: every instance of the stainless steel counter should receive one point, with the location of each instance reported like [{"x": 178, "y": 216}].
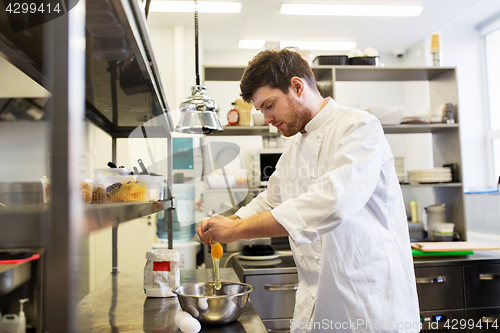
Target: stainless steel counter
[{"x": 120, "y": 305}]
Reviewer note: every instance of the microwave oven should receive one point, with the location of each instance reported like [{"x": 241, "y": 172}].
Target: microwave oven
[{"x": 266, "y": 159}]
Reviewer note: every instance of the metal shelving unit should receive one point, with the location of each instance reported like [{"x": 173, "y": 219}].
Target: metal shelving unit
[
  {"x": 118, "y": 89},
  {"x": 445, "y": 137}
]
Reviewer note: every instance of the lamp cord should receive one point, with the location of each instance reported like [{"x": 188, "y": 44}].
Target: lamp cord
[
  {"x": 197, "y": 64},
  {"x": 146, "y": 9}
]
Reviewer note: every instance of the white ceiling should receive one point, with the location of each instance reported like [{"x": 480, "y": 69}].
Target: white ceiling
[{"x": 260, "y": 19}]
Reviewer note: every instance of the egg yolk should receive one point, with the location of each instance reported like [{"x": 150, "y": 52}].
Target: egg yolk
[{"x": 217, "y": 251}]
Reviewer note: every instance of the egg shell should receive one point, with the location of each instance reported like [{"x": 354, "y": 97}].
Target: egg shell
[
  {"x": 192, "y": 310},
  {"x": 203, "y": 303},
  {"x": 190, "y": 325},
  {"x": 181, "y": 315}
]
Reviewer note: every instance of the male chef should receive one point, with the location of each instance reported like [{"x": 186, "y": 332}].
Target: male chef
[{"x": 336, "y": 195}]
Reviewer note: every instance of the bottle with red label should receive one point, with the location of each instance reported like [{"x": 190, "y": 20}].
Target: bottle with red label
[{"x": 233, "y": 116}]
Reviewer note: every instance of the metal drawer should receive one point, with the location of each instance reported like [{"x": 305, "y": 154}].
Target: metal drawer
[
  {"x": 14, "y": 277},
  {"x": 482, "y": 284},
  {"x": 488, "y": 319},
  {"x": 277, "y": 325},
  {"x": 448, "y": 319},
  {"x": 439, "y": 288},
  {"x": 274, "y": 295}
]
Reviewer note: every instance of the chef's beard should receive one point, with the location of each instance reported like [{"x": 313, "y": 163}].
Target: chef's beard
[{"x": 296, "y": 119}]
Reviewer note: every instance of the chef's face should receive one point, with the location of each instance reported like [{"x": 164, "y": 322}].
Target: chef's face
[{"x": 281, "y": 110}]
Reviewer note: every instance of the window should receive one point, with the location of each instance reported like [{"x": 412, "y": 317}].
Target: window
[{"x": 491, "y": 35}]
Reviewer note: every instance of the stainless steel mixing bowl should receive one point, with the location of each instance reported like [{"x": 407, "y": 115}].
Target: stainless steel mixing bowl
[{"x": 224, "y": 305}]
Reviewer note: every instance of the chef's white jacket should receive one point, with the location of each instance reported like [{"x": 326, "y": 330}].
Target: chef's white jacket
[{"x": 336, "y": 192}]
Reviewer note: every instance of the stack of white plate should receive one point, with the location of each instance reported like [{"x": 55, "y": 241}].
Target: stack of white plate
[
  {"x": 436, "y": 175},
  {"x": 399, "y": 162}
]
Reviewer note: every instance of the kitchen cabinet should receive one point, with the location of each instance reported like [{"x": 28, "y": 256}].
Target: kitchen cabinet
[
  {"x": 276, "y": 282},
  {"x": 441, "y": 85},
  {"x": 462, "y": 292},
  {"x": 119, "y": 90},
  {"x": 439, "y": 281}
]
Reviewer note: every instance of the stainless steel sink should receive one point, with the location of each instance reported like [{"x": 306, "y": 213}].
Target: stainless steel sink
[{"x": 12, "y": 276}]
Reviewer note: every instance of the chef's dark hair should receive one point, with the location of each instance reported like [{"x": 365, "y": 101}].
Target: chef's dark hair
[{"x": 276, "y": 69}]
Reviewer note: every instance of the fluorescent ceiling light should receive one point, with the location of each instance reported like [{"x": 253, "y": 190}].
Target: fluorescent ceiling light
[
  {"x": 319, "y": 45},
  {"x": 251, "y": 44},
  {"x": 188, "y": 7},
  {"x": 350, "y": 10}
]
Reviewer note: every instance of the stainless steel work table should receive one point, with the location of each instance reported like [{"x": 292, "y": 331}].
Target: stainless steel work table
[{"x": 120, "y": 305}]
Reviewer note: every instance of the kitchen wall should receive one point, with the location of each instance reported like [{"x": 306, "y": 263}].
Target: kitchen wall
[
  {"x": 15, "y": 83},
  {"x": 27, "y": 159},
  {"x": 462, "y": 48}
]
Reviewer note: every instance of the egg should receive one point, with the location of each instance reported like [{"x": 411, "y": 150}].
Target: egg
[
  {"x": 181, "y": 315},
  {"x": 203, "y": 303},
  {"x": 190, "y": 325},
  {"x": 192, "y": 310}
]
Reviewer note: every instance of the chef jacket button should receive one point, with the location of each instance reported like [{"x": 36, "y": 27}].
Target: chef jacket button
[
  {"x": 311, "y": 175},
  {"x": 296, "y": 143},
  {"x": 313, "y": 295},
  {"x": 316, "y": 257},
  {"x": 300, "y": 255},
  {"x": 318, "y": 135},
  {"x": 307, "y": 289}
]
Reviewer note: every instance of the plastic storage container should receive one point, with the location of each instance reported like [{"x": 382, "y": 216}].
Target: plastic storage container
[
  {"x": 98, "y": 193},
  {"x": 127, "y": 188},
  {"x": 363, "y": 61},
  {"x": 187, "y": 252},
  {"x": 443, "y": 232},
  {"x": 184, "y": 224},
  {"x": 86, "y": 190},
  {"x": 157, "y": 188},
  {"x": 331, "y": 60}
]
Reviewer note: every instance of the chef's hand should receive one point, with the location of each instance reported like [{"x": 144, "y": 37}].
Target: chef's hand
[{"x": 217, "y": 229}]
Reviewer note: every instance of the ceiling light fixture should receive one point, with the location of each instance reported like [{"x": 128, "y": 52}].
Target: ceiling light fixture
[
  {"x": 251, "y": 43},
  {"x": 319, "y": 45},
  {"x": 188, "y": 7},
  {"x": 198, "y": 111},
  {"x": 350, "y": 10}
]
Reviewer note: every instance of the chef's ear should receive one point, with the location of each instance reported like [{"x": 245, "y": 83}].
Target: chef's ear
[{"x": 297, "y": 85}]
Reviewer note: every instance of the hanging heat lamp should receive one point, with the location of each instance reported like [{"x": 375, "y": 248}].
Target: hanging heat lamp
[{"x": 198, "y": 111}]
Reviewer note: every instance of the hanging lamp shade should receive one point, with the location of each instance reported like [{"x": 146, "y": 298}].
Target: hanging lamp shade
[{"x": 198, "y": 113}]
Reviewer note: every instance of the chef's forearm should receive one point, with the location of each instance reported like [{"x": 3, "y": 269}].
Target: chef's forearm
[{"x": 259, "y": 226}]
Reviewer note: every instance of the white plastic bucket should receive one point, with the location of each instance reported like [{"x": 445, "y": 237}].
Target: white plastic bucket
[{"x": 187, "y": 250}]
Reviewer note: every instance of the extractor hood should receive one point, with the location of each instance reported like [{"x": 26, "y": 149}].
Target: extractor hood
[{"x": 123, "y": 86}]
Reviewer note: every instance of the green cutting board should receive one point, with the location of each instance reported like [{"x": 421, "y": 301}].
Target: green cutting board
[{"x": 417, "y": 253}]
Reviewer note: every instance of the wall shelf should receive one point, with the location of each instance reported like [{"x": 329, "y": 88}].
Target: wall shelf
[
  {"x": 371, "y": 73},
  {"x": 414, "y": 128},
  {"x": 96, "y": 216},
  {"x": 405, "y": 185},
  {"x": 247, "y": 130}
]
